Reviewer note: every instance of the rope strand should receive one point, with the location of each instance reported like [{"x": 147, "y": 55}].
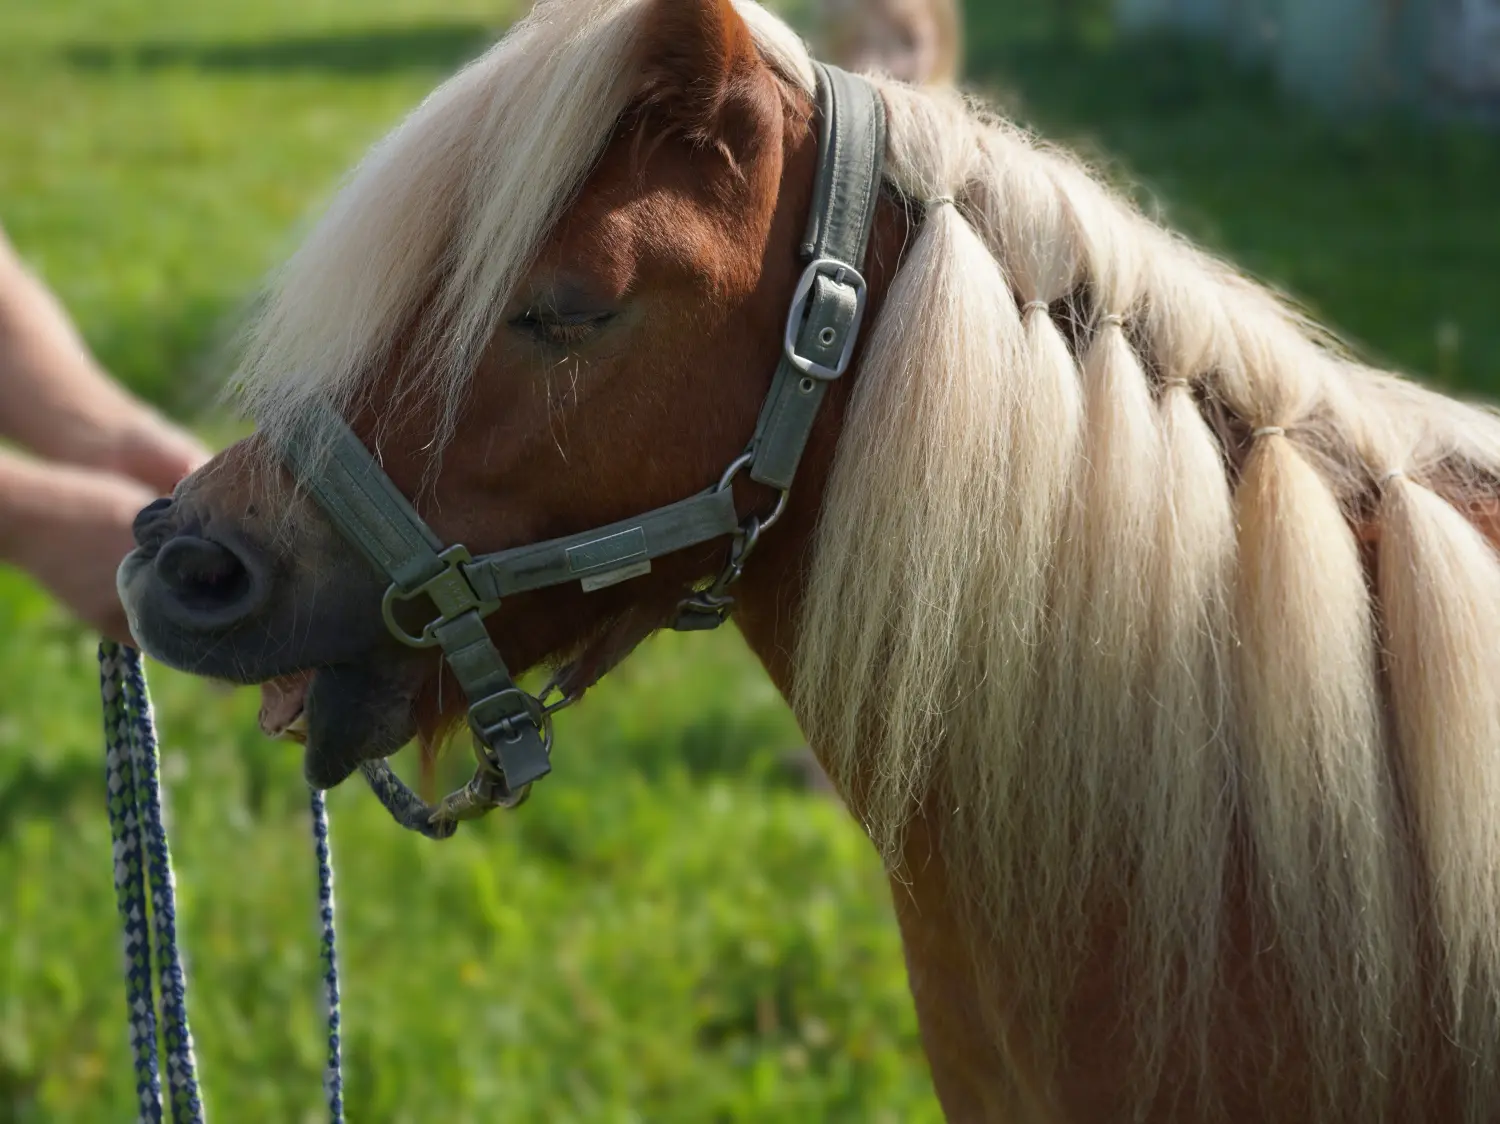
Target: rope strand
[
  {"x": 130, "y": 882},
  {"x": 182, "y": 1080},
  {"x": 333, "y": 1076},
  {"x": 142, "y": 858}
]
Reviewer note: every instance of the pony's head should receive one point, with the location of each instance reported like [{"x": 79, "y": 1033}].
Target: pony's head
[{"x": 552, "y": 299}]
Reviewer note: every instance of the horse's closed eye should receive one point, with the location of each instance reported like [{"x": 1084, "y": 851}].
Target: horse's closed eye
[{"x": 560, "y": 329}]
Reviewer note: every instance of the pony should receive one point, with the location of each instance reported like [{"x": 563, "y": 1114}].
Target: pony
[{"x": 1145, "y": 630}]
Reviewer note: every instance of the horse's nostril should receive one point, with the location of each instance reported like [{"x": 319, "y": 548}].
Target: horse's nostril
[
  {"x": 203, "y": 575},
  {"x": 149, "y": 518}
]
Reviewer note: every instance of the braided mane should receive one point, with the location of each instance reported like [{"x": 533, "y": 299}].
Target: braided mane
[{"x": 1168, "y": 599}]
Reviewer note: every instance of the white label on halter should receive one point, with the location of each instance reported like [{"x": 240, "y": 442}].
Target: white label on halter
[{"x": 615, "y": 577}]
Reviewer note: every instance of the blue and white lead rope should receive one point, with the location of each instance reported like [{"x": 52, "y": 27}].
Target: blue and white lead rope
[
  {"x": 333, "y": 1072},
  {"x": 142, "y": 860}
]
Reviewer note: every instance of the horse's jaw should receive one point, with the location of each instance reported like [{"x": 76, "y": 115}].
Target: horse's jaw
[
  {"x": 342, "y": 715},
  {"x": 283, "y": 707}
]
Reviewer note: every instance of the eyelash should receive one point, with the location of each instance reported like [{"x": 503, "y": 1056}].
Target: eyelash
[{"x": 560, "y": 331}]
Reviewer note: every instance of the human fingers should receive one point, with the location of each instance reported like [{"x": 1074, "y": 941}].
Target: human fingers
[{"x": 159, "y": 455}]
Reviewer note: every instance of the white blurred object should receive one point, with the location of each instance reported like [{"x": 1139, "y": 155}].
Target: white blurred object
[
  {"x": 916, "y": 41},
  {"x": 1468, "y": 46}
]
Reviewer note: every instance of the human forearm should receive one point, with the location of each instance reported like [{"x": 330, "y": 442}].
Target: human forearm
[
  {"x": 57, "y": 402},
  {"x": 52, "y": 395}
]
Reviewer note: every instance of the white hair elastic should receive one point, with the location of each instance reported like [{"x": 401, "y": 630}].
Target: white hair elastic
[
  {"x": 1035, "y": 306},
  {"x": 1176, "y": 384},
  {"x": 1269, "y": 431},
  {"x": 1392, "y": 476},
  {"x": 1112, "y": 320},
  {"x": 940, "y": 201}
]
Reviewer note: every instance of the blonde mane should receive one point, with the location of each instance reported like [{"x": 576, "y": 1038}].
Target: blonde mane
[
  {"x": 428, "y": 238},
  {"x": 1085, "y": 579},
  {"x": 1087, "y": 582}
]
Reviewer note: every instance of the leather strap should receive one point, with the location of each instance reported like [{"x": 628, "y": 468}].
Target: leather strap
[
  {"x": 369, "y": 511},
  {"x": 356, "y": 494},
  {"x": 510, "y": 725},
  {"x": 830, "y": 301},
  {"x": 367, "y": 508},
  {"x": 607, "y": 555}
]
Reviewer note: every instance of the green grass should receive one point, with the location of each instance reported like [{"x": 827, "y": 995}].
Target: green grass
[
  {"x": 1387, "y": 228},
  {"x": 669, "y": 931}
]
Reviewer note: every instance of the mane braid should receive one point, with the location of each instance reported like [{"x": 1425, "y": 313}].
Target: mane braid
[{"x": 1090, "y": 584}]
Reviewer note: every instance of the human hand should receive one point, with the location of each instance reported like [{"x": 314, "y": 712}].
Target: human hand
[
  {"x": 69, "y": 528},
  {"x": 148, "y": 448}
]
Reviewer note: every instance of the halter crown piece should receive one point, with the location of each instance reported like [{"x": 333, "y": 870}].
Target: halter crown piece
[{"x": 512, "y": 728}]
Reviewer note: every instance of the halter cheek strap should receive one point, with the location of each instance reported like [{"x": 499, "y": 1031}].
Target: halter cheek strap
[
  {"x": 512, "y": 728},
  {"x": 829, "y": 303}
]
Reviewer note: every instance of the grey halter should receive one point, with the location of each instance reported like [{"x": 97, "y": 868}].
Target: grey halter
[{"x": 512, "y": 728}]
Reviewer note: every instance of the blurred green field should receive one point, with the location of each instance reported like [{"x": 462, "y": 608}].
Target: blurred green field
[
  {"x": 1385, "y": 228},
  {"x": 671, "y": 931}
]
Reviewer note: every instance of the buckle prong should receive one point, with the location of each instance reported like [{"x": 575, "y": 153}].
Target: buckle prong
[{"x": 839, "y": 273}]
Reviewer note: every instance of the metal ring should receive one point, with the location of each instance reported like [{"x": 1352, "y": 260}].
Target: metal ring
[
  {"x": 745, "y": 540},
  {"x": 740, "y": 463},
  {"x": 770, "y": 521},
  {"x": 394, "y": 595}
]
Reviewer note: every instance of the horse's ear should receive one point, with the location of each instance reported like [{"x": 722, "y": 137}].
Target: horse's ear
[{"x": 701, "y": 71}]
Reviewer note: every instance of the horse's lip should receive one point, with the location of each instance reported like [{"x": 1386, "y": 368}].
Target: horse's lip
[{"x": 283, "y": 703}]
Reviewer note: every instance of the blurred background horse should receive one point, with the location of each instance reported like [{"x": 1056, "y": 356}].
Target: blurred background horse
[{"x": 915, "y": 41}]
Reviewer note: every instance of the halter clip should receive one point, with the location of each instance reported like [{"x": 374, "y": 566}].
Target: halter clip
[{"x": 450, "y": 592}]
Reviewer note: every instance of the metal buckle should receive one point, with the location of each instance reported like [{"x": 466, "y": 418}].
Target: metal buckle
[
  {"x": 487, "y": 788},
  {"x": 841, "y": 274},
  {"x": 703, "y": 612},
  {"x": 503, "y": 730},
  {"x": 450, "y": 592}
]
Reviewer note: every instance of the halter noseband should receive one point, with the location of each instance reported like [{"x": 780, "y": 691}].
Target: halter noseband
[{"x": 512, "y": 728}]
